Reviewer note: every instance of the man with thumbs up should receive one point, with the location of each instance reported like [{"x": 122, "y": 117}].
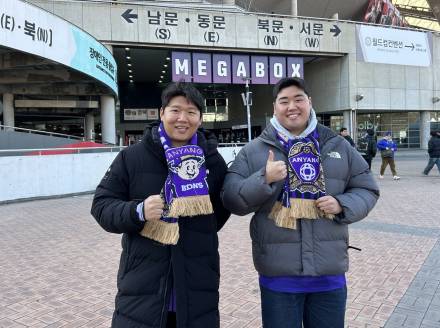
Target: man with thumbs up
[{"x": 304, "y": 184}]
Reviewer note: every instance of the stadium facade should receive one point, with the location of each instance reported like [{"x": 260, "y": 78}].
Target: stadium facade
[{"x": 360, "y": 75}]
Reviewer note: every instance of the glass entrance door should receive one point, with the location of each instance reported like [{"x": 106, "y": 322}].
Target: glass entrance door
[{"x": 405, "y": 127}]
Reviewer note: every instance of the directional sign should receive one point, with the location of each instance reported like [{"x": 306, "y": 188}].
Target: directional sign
[
  {"x": 335, "y": 30},
  {"x": 198, "y": 28},
  {"x": 393, "y": 46},
  {"x": 128, "y": 16},
  {"x": 411, "y": 46}
]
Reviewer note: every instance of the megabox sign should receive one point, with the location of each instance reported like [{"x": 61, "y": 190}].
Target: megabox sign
[{"x": 235, "y": 69}]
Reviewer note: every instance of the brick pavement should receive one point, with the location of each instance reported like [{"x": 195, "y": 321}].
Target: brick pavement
[{"x": 58, "y": 268}]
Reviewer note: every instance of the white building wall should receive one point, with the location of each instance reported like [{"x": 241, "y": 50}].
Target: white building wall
[{"x": 51, "y": 175}]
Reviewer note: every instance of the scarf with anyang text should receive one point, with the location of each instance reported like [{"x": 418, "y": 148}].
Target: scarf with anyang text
[
  {"x": 304, "y": 182},
  {"x": 185, "y": 192}
]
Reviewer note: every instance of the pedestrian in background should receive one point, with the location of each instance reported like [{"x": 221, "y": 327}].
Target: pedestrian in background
[
  {"x": 344, "y": 133},
  {"x": 387, "y": 148},
  {"x": 434, "y": 152},
  {"x": 371, "y": 150},
  {"x": 163, "y": 195}
]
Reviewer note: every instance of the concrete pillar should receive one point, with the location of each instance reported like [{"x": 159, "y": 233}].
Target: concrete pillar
[
  {"x": 294, "y": 7},
  {"x": 108, "y": 124},
  {"x": 8, "y": 109},
  {"x": 425, "y": 128},
  {"x": 90, "y": 127},
  {"x": 347, "y": 121}
]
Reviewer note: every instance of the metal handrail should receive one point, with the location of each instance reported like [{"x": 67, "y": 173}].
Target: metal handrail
[
  {"x": 68, "y": 136},
  {"x": 78, "y": 150}
]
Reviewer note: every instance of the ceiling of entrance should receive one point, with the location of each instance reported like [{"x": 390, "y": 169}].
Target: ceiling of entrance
[
  {"x": 146, "y": 64},
  {"x": 26, "y": 74}
]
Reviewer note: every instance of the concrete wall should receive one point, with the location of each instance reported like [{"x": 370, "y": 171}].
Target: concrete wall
[
  {"x": 21, "y": 140},
  {"x": 42, "y": 176},
  {"x": 328, "y": 83}
]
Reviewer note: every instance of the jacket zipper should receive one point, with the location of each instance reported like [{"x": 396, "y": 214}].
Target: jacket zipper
[{"x": 164, "y": 310}]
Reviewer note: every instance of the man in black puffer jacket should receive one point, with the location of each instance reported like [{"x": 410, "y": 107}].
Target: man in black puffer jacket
[
  {"x": 434, "y": 152},
  {"x": 156, "y": 280}
]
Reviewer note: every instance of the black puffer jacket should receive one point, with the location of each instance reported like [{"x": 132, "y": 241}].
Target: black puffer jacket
[
  {"x": 434, "y": 147},
  {"x": 148, "y": 269}
]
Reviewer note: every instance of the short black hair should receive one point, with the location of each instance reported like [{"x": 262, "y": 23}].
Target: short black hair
[
  {"x": 342, "y": 129},
  {"x": 288, "y": 82},
  {"x": 186, "y": 90}
]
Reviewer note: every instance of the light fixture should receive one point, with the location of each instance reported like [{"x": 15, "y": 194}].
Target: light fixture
[
  {"x": 128, "y": 57},
  {"x": 168, "y": 58},
  {"x": 160, "y": 81},
  {"x": 165, "y": 65},
  {"x": 131, "y": 81},
  {"x": 128, "y": 64},
  {"x": 435, "y": 99},
  {"x": 161, "y": 76},
  {"x": 128, "y": 49},
  {"x": 359, "y": 97},
  {"x": 130, "y": 71},
  {"x": 130, "y": 76},
  {"x": 163, "y": 72}
]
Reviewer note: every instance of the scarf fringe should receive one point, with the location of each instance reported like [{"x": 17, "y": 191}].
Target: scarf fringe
[
  {"x": 190, "y": 206},
  {"x": 286, "y": 217},
  {"x": 161, "y": 231}
]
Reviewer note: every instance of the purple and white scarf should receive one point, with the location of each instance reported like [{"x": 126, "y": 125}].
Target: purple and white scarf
[
  {"x": 304, "y": 183},
  {"x": 186, "y": 191}
]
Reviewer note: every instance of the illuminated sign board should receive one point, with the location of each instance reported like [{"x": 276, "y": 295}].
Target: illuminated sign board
[{"x": 225, "y": 68}]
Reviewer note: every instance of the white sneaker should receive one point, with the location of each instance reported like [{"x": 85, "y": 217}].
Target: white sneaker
[
  {"x": 396, "y": 177},
  {"x": 380, "y": 176}
]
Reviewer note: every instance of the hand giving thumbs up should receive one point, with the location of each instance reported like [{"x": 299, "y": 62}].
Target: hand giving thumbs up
[{"x": 275, "y": 170}]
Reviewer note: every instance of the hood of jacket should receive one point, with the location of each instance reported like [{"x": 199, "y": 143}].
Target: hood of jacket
[{"x": 269, "y": 135}]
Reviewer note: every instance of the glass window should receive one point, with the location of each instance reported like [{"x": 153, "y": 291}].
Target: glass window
[
  {"x": 404, "y": 127},
  {"x": 435, "y": 121},
  {"x": 336, "y": 122}
]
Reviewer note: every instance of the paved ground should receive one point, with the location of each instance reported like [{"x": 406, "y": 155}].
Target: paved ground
[{"x": 58, "y": 268}]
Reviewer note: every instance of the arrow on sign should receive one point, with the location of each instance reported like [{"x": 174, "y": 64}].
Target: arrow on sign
[
  {"x": 411, "y": 46},
  {"x": 128, "y": 16},
  {"x": 336, "y": 30}
]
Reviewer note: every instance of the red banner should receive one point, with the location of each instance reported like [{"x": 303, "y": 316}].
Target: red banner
[{"x": 383, "y": 12}]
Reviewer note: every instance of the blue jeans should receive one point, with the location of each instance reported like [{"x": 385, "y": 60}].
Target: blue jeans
[
  {"x": 314, "y": 310},
  {"x": 430, "y": 165}
]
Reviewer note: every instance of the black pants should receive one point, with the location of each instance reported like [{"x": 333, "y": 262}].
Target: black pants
[
  {"x": 368, "y": 159},
  {"x": 171, "y": 320}
]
